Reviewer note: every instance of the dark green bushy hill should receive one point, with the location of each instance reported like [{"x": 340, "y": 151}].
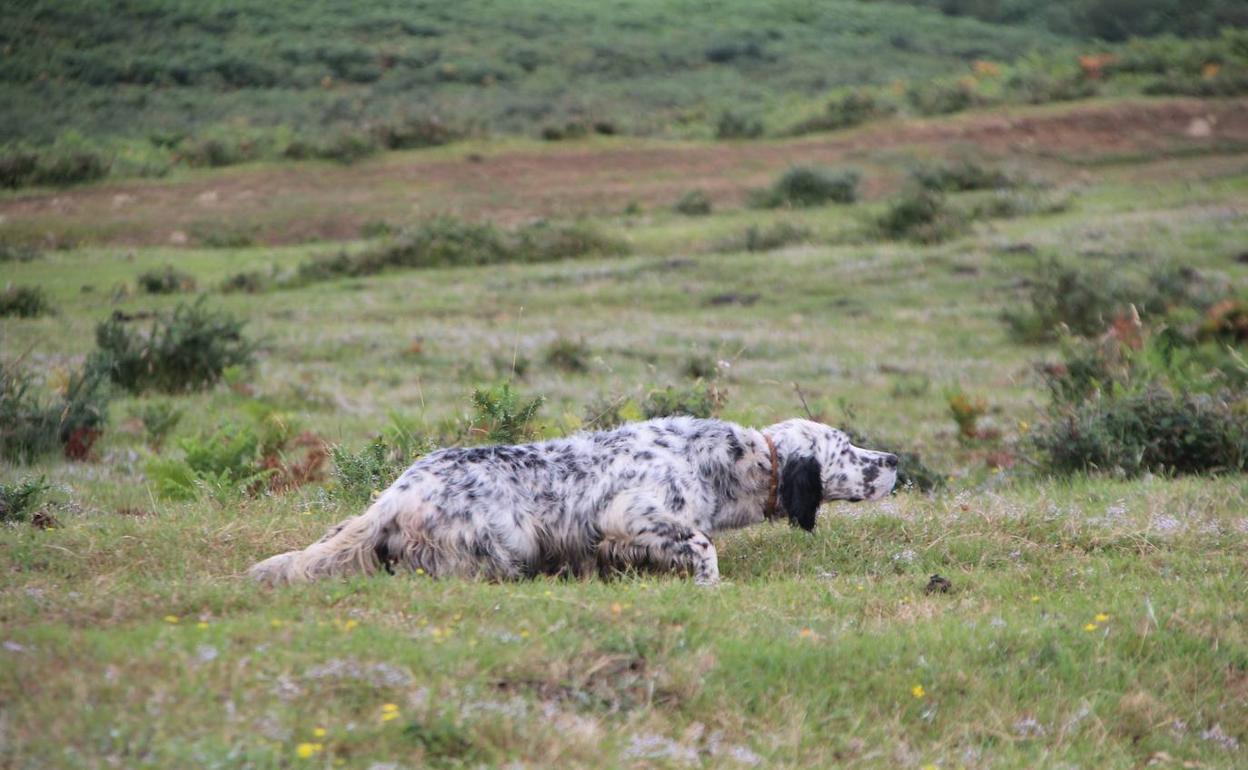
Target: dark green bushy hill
[{"x": 162, "y": 69}]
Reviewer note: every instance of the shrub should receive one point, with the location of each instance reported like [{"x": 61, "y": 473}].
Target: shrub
[
  {"x": 694, "y": 203},
  {"x": 1152, "y": 431},
  {"x": 359, "y": 476},
  {"x": 412, "y": 132},
  {"x": 31, "y": 427},
  {"x": 240, "y": 458},
  {"x": 921, "y": 215},
  {"x": 608, "y": 412},
  {"x": 805, "y": 186},
  {"x": 448, "y": 241},
  {"x": 502, "y": 416},
  {"x": 966, "y": 413},
  {"x": 19, "y": 498},
  {"x": 188, "y": 351},
  {"x": 166, "y": 280},
  {"x": 219, "y": 235},
  {"x": 757, "y": 238},
  {"x": 159, "y": 418},
  {"x": 24, "y": 302},
  {"x": 701, "y": 399},
  {"x": 935, "y": 98},
  {"x": 845, "y": 112},
  {"x": 960, "y": 176},
  {"x": 17, "y": 167},
  {"x": 569, "y": 355},
  {"x": 1007, "y": 204},
  {"x": 11, "y": 251},
  {"x": 1085, "y": 299},
  {"x": 732, "y": 125},
  {"x": 248, "y": 282}
]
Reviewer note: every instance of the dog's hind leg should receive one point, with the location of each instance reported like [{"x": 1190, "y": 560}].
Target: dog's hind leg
[{"x": 642, "y": 535}]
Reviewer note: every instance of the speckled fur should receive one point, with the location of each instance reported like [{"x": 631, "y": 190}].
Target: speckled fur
[{"x": 645, "y": 495}]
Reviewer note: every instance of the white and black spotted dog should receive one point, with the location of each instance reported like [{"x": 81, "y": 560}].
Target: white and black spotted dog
[{"x": 645, "y": 495}]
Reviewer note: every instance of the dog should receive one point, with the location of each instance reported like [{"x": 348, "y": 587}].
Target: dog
[{"x": 647, "y": 495}]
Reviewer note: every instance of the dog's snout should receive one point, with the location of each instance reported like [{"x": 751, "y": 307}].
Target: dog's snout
[{"x": 890, "y": 461}]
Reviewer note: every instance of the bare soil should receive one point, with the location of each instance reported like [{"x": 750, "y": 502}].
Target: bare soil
[{"x": 305, "y": 202}]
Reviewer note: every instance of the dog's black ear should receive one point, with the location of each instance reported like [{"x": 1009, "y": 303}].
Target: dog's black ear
[{"x": 801, "y": 490}]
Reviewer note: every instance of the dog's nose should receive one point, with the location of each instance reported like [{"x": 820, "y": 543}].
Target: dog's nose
[{"x": 890, "y": 461}]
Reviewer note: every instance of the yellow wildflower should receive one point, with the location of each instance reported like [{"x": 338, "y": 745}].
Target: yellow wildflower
[
  {"x": 350, "y": 624},
  {"x": 1035, "y": 597},
  {"x": 172, "y": 619},
  {"x": 616, "y": 608},
  {"x": 1101, "y": 617},
  {"x": 389, "y": 711},
  {"x": 1090, "y": 627},
  {"x": 201, "y": 625},
  {"x": 918, "y": 691},
  {"x": 307, "y": 750},
  {"x": 319, "y": 732}
]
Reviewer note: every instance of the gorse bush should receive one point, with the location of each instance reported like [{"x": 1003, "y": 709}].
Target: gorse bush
[
  {"x": 447, "y": 241},
  {"x": 960, "y": 176},
  {"x": 849, "y": 110},
  {"x": 694, "y": 203},
  {"x": 189, "y": 350},
  {"x": 1151, "y": 431},
  {"x": 699, "y": 399},
  {"x": 805, "y": 186},
  {"x": 921, "y": 215},
  {"x": 758, "y": 238},
  {"x": 502, "y": 416},
  {"x": 357, "y": 476},
  {"x": 19, "y": 498},
  {"x": 24, "y": 302},
  {"x": 32, "y": 426},
  {"x": 12, "y": 251},
  {"x": 568, "y": 355},
  {"x": 165, "y": 280},
  {"x": 159, "y": 418},
  {"x": 733, "y": 125},
  {"x": 1086, "y": 299}
]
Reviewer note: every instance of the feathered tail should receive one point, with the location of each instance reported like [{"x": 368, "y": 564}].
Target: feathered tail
[{"x": 357, "y": 545}]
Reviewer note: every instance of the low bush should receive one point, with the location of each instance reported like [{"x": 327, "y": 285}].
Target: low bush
[
  {"x": 756, "y": 238},
  {"x": 166, "y": 280},
  {"x": 240, "y": 458},
  {"x": 19, "y": 498},
  {"x": 733, "y": 125},
  {"x": 1151, "y": 431},
  {"x": 248, "y": 282},
  {"x": 24, "y": 302},
  {"x": 222, "y": 235},
  {"x": 694, "y": 203},
  {"x": 159, "y": 418},
  {"x": 921, "y": 215},
  {"x": 189, "y": 350},
  {"x": 805, "y": 186},
  {"x": 447, "y": 241},
  {"x": 1085, "y": 300},
  {"x": 502, "y": 416},
  {"x": 358, "y": 476},
  {"x": 961, "y": 176},
  {"x": 1008, "y": 204},
  {"x": 847, "y": 111},
  {"x": 938, "y": 98},
  {"x": 700, "y": 399},
  {"x": 607, "y": 412},
  {"x": 31, "y": 426},
  {"x": 568, "y": 355},
  {"x": 11, "y": 251}
]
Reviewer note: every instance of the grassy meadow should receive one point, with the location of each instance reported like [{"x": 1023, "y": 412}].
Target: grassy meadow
[{"x": 1094, "y": 620}]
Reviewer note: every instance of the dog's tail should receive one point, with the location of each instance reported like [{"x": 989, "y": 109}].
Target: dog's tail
[{"x": 357, "y": 545}]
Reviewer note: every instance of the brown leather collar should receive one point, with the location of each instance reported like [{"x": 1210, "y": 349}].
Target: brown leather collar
[{"x": 769, "y": 512}]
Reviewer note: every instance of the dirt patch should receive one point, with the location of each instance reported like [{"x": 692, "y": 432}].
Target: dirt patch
[{"x": 303, "y": 202}]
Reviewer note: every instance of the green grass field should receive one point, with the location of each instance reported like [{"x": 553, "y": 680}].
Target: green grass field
[{"x": 1094, "y": 622}]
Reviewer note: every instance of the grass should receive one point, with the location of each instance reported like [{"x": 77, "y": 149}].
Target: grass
[{"x": 130, "y": 636}]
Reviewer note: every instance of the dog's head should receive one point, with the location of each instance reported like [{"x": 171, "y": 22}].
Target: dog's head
[{"x": 818, "y": 463}]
